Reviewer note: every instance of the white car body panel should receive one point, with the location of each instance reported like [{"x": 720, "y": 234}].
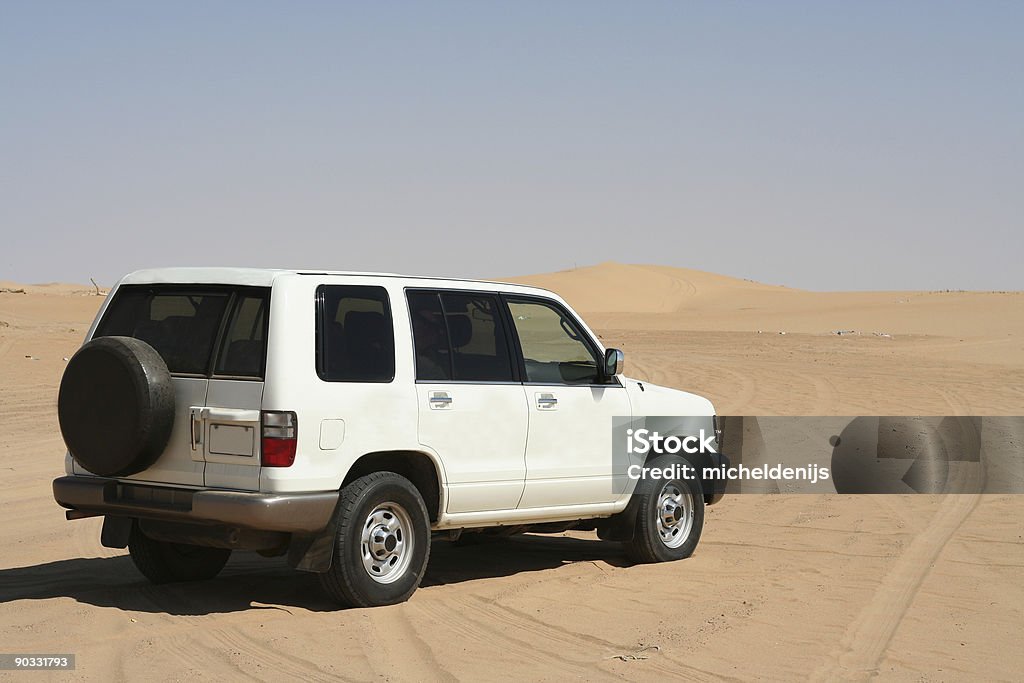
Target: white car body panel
[{"x": 569, "y": 453}]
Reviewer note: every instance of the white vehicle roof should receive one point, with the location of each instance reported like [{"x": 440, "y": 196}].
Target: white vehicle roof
[{"x": 264, "y": 277}]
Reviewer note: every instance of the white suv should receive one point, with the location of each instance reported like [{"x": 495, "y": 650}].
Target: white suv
[{"x": 345, "y": 418}]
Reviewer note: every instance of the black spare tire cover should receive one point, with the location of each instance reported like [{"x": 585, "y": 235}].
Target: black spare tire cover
[{"x": 116, "y": 406}]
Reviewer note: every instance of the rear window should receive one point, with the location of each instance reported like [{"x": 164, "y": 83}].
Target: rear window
[
  {"x": 184, "y": 325},
  {"x": 243, "y": 349},
  {"x": 355, "y": 334}
]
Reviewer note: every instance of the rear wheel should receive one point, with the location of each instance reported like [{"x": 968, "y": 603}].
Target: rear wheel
[
  {"x": 165, "y": 562},
  {"x": 669, "y": 520},
  {"x": 383, "y": 542}
]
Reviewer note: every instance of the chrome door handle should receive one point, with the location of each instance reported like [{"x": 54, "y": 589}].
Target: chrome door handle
[
  {"x": 440, "y": 399},
  {"x": 546, "y": 401},
  {"x": 196, "y": 428}
]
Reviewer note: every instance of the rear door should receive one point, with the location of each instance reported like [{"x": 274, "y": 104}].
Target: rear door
[
  {"x": 230, "y": 418},
  {"x": 472, "y": 407},
  {"x": 182, "y": 323}
]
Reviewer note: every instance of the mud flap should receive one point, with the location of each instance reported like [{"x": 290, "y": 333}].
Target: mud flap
[
  {"x": 115, "y": 531},
  {"x": 620, "y": 527},
  {"x": 315, "y": 552}
]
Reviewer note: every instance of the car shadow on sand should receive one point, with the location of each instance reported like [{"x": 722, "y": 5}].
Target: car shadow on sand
[{"x": 253, "y": 582}]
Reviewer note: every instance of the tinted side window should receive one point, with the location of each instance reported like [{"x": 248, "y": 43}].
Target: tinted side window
[
  {"x": 430, "y": 336},
  {"x": 477, "y": 337},
  {"x": 459, "y": 336},
  {"x": 180, "y": 323},
  {"x": 355, "y": 334},
  {"x": 554, "y": 350},
  {"x": 243, "y": 350}
]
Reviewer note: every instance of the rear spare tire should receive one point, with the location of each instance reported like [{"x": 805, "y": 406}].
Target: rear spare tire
[{"x": 116, "y": 406}]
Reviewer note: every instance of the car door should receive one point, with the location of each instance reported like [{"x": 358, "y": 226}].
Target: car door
[
  {"x": 230, "y": 416},
  {"x": 472, "y": 407},
  {"x": 569, "y": 447}
]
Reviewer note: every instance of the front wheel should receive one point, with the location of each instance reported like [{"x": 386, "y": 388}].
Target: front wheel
[
  {"x": 382, "y": 545},
  {"x": 669, "y": 520}
]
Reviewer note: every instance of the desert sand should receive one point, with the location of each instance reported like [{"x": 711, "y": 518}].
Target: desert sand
[{"x": 909, "y": 587}]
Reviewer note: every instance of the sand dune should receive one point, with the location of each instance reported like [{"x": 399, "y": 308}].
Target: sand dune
[
  {"x": 59, "y": 288},
  {"x": 622, "y": 288},
  {"x": 985, "y": 328},
  {"x": 916, "y": 588},
  {"x": 688, "y": 299}
]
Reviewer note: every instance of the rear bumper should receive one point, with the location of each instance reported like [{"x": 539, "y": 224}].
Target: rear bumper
[{"x": 303, "y": 513}]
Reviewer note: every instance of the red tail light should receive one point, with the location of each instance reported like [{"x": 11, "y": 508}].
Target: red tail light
[{"x": 280, "y": 433}]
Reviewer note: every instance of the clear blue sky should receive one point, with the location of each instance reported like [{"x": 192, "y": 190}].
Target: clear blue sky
[{"x": 854, "y": 145}]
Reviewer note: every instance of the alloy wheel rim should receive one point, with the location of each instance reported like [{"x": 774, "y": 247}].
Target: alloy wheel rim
[{"x": 674, "y": 515}]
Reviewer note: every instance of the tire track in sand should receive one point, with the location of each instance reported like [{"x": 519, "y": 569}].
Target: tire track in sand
[
  {"x": 520, "y": 637},
  {"x": 400, "y": 646},
  {"x": 864, "y": 644},
  {"x": 5, "y": 346},
  {"x": 272, "y": 663}
]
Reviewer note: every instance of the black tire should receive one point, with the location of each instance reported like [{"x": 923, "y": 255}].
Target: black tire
[
  {"x": 116, "y": 406},
  {"x": 648, "y": 544},
  {"x": 364, "y": 505},
  {"x": 164, "y": 562}
]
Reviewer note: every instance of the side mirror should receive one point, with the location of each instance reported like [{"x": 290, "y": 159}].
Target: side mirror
[{"x": 614, "y": 360}]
